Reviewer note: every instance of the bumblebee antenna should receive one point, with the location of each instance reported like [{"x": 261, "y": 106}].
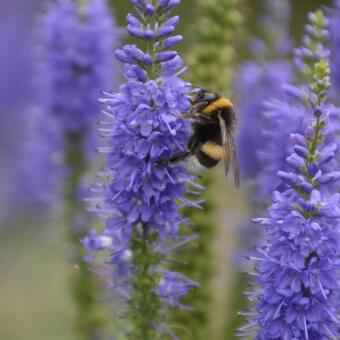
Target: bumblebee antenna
[{"x": 195, "y": 89}]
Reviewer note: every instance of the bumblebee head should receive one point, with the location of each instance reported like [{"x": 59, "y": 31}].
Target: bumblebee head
[
  {"x": 209, "y": 102},
  {"x": 204, "y": 95},
  {"x": 202, "y": 99}
]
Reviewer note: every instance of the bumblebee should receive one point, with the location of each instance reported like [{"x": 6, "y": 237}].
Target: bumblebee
[{"x": 212, "y": 139}]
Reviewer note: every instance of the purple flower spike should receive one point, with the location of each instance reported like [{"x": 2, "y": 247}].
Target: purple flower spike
[
  {"x": 298, "y": 268},
  {"x": 77, "y": 63},
  {"x": 139, "y": 198}
]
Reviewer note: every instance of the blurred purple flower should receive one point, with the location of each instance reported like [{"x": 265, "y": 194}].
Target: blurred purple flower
[
  {"x": 77, "y": 63},
  {"x": 260, "y": 80},
  {"x": 289, "y": 113},
  {"x": 138, "y": 203},
  {"x": 17, "y": 63},
  {"x": 41, "y": 154},
  {"x": 263, "y": 132},
  {"x": 298, "y": 268}
]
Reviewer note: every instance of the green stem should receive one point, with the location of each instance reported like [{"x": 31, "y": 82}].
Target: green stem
[
  {"x": 84, "y": 288},
  {"x": 144, "y": 303},
  {"x": 314, "y": 144},
  {"x": 145, "y": 310}
]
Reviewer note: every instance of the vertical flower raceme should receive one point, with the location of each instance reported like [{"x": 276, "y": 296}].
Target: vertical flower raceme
[
  {"x": 298, "y": 268},
  {"x": 217, "y": 36},
  {"x": 41, "y": 154},
  {"x": 260, "y": 80},
  {"x": 16, "y": 61},
  {"x": 283, "y": 115},
  {"x": 77, "y": 63},
  {"x": 139, "y": 198}
]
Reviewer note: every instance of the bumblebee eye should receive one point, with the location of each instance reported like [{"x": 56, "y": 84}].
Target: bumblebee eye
[{"x": 208, "y": 96}]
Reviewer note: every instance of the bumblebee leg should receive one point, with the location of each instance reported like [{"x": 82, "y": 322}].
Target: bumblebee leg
[
  {"x": 174, "y": 159},
  {"x": 186, "y": 116},
  {"x": 198, "y": 107},
  {"x": 198, "y": 116},
  {"x": 204, "y": 119}
]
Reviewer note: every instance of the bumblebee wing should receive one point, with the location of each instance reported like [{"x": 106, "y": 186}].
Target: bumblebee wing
[
  {"x": 230, "y": 156},
  {"x": 225, "y": 143},
  {"x": 234, "y": 162}
]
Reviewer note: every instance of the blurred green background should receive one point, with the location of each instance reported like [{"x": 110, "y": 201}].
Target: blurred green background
[{"x": 34, "y": 267}]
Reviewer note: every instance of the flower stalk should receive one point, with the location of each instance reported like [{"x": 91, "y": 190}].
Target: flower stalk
[
  {"x": 89, "y": 320},
  {"x": 144, "y": 303}
]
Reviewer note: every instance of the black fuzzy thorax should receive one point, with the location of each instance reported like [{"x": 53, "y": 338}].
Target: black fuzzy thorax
[{"x": 203, "y": 134}]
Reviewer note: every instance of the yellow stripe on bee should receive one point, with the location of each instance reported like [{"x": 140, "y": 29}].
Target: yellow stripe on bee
[
  {"x": 213, "y": 150},
  {"x": 219, "y": 103}
]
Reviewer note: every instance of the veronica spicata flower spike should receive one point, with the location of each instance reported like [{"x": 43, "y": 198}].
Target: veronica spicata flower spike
[
  {"x": 41, "y": 154},
  {"x": 77, "y": 39},
  {"x": 22, "y": 158},
  {"x": 138, "y": 205},
  {"x": 78, "y": 64},
  {"x": 298, "y": 269}
]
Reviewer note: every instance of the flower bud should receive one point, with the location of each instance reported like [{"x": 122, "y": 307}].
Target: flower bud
[
  {"x": 295, "y": 161},
  {"x": 135, "y": 31},
  {"x": 123, "y": 57},
  {"x": 150, "y": 10},
  {"x": 165, "y": 31},
  {"x": 169, "y": 42},
  {"x": 173, "y": 21},
  {"x": 133, "y": 21},
  {"x": 329, "y": 178},
  {"x": 301, "y": 151},
  {"x": 288, "y": 177},
  {"x": 166, "y": 56},
  {"x": 298, "y": 139},
  {"x": 149, "y": 34}
]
